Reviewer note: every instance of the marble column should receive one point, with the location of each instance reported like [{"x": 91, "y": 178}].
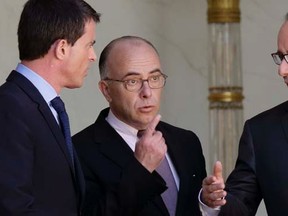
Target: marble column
[{"x": 225, "y": 81}]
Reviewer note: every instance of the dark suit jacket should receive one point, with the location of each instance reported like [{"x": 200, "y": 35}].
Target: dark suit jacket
[
  {"x": 35, "y": 174},
  {"x": 261, "y": 168},
  {"x": 117, "y": 184}
]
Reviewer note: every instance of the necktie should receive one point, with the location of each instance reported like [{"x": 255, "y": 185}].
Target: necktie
[
  {"x": 59, "y": 106},
  {"x": 170, "y": 195}
]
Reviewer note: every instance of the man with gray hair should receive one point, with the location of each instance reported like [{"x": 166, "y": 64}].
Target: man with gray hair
[{"x": 135, "y": 164}]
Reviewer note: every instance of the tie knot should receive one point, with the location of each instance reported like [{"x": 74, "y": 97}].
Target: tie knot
[{"x": 58, "y": 104}]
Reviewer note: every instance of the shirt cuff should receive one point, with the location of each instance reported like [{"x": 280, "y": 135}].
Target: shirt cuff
[{"x": 206, "y": 210}]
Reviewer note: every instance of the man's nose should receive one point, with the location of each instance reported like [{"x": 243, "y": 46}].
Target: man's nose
[
  {"x": 145, "y": 91},
  {"x": 283, "y": 69}
]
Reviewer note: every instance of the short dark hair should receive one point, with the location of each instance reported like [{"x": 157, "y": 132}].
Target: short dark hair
[
  {"x": 103, "y": 68},
  {"x": 42, "y": 22}
]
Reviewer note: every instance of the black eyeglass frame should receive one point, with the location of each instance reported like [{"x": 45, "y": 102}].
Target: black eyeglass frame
[
  {"x": 139, "y": 80},
  {"x": 279, "y": 56}
]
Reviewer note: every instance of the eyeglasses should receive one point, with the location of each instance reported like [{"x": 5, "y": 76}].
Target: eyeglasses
[
  {"x": 132, "y": 85},
  {"x": 278, "y": 57}
]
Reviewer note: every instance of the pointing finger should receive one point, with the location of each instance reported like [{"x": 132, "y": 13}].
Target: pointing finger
[{"x": 152, "y": 125}]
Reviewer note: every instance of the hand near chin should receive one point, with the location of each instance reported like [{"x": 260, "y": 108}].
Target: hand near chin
[
  {"x": 213, "y": 193},
  {"x": 151, "y": 147}
]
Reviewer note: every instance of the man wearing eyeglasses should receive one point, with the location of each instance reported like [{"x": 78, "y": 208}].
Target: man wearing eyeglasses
[
  {"x": 261, "y": 168},
  {"x": 135, "y": 164}
]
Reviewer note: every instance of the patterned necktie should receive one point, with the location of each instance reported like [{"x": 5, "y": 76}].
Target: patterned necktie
[
  {"x": 59, "y": 106},
  {"x": 170, "y": 195}
]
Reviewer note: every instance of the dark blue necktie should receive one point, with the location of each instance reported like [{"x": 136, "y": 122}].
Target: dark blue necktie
[{"x": 59, "y": 106}]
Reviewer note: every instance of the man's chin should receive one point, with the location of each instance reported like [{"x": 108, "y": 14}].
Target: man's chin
[
  {"x": 144, "y": 121},
  {"x": 75, "y": 85}
]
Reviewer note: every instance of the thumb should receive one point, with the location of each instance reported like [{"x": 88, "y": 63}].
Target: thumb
[{"x": 218, "y": 170}]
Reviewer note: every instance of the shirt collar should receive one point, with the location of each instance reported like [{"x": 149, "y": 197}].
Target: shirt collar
[
  {"x": 45, "y": 89},
  {"x": 120, "y": 126}
]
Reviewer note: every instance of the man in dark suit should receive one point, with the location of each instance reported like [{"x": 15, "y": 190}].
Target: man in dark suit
[
  {"x": 123, "y": 172},
  {"x": 38, "y": 175},
  {"x": 261, "y": 166}
]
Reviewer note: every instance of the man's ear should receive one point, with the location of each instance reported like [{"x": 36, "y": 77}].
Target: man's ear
[
  {"x": 61, "y": 48},
  {"x": 104, "y": 88}
]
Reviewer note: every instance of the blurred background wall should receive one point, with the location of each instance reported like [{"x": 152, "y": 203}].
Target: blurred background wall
[{"x": 179, "y": 30}]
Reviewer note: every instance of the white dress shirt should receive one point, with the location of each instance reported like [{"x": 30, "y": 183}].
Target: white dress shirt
[{"x": 129, "y": 134}]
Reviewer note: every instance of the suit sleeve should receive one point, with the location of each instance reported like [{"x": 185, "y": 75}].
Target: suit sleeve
[
  {"x": 126, "y": 197},
  {"x": 244, "y": 195},
  {"x": 16, "y": 163}
]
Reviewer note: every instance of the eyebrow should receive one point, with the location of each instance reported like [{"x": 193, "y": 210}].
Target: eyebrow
[{"x": 131, "y": 73}]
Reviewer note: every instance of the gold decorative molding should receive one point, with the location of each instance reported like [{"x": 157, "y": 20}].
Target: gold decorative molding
[
  {"x": 230, "y": 97},
  {"x": 226, "y": 94},
  {"x": 223, "y": 11},
  {"x": 226, "y": 97}
]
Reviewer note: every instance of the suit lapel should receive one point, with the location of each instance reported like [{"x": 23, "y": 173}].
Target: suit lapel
[
  {"x": 43, "y": 108},
  {"x": 79, "y": 178},
  {"x": 111, "y": 143},
  {"x": 284, "y": 121},
  {"x": 46, "y": 113},
  {"x": 117, "y": 150},
  {"x": 55, "y": 129}
]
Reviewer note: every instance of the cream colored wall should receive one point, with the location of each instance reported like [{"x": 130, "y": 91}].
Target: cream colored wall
[{"x": 179, "y": 30}]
